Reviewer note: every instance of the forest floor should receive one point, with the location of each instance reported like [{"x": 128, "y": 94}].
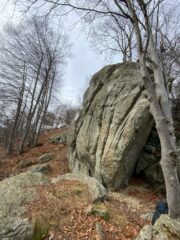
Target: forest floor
[{"x": 64, "y": 205}]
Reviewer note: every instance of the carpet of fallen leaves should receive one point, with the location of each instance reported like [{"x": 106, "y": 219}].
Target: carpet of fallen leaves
[
  {"x": 63, "y": 205},
  {"x": 8, "y": 164}
]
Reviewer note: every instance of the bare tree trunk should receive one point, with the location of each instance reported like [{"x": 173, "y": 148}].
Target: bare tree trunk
[
  {"x": 18, "y": 113},
  {"x": 130, "y": 48},
  {"x": 13, "y": 131},
  {"x": 168, "y": 149},
  {"x": 165, "y": 128},
  {"x": 48, "y": 96},
  {"x": 38, "y": 130},
  {"x": 32, "y": 109},
  {"x": 161, "y": 111},
  {"x": 37, "y": 121},
  {"x": 37, "y": 45}
]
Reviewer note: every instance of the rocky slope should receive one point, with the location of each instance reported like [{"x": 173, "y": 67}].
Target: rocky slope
[{"x": 67, "y": 206}]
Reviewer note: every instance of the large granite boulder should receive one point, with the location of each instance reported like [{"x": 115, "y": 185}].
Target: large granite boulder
[
  {"x": 15, "y": 193},
  {"x": 107, "y": 137}
]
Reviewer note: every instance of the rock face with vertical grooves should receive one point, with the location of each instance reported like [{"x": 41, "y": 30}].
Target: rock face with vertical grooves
[{"x": 107, "y": 137}]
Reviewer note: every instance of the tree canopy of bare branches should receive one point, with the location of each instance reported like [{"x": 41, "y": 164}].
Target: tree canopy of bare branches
[{"x": 31, "y": 59}]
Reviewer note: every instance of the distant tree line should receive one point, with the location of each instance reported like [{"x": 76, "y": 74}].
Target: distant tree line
[
  {"x": 62, "y": 115},
  {"x": 31, "y": 60}
]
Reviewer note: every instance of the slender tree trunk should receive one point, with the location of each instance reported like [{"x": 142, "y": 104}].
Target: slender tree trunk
[
  {"x": 130, "y": 49},
  {"x": 33, "y": 109},
  {"x": 38, "y": 130},
  {"x": 18, "y": 113},
  {"x": 160, "y": 109},
  {"x": 48, "y": 98},
  {"x": 13, "y": 131},
  {"x": 35, "y": 126},
  {"x": 165, "y": 128},
  {"x": 168, "y": 149},
  {"x": 37, "y": 120},
  {"x": 169, "y": 167}
]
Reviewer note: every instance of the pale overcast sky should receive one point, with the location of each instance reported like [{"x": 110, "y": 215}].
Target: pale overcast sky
[{"x": 80, "y": 67}]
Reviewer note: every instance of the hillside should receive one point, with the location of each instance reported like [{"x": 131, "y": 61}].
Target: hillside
[{"x": 65, "y": 210}]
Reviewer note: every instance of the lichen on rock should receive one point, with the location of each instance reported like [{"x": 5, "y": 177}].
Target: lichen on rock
[
  {"x": 106, "y": 139},
  {"x": 165, "y": 228},
  {"x": 16, "y": 192}
]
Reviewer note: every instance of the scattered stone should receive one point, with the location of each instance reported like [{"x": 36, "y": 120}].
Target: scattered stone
[
  {"x": 15, "y": 192},
  {"x": 147, "y": 216},
  {"x": 42, "y": 168},
  {"x": 165, "y": 228},
  {"x": 100, "y": 231},
  {"x": 16, "y": 229},
  {"x": 46, "y": 157},
  {"x": 60, "y": 146},
  {"x": 61, "y": 138},
  {"x": 145, "y": 233},
  {"x": 98, "y": 210},
  {"x": 89, "y": 210},
  {"x": 98, "y": 192},
  {"x": 24, "y": 164}
]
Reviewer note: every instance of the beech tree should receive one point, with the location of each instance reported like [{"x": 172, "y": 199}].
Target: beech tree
[
  {"x": 115, "y": 38},
  {"x": 141, "y": 14}
]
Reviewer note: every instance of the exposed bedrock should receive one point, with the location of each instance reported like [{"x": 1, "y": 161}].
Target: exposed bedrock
[{"x": 113, "y": 126}]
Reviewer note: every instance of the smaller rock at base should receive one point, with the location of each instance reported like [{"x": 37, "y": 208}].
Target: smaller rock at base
[
  {"x": 46, "y": 157},
  {"x": 100, "y": 231},
  {"x": 61, "y": 145},
  {"x": 42, "y": 168},
  {"x": 89, "y": 210},
  {"x": 98, "y": 210},
  {"x": 167, "y": 227},
  {"x": 61, "y": 138},
  {"x": 164, "y": 228},
  {"x": 146, "y": 233},
  {"x": 15, "y": 228},
  {"x": 147, "y": 216},
  {"x": 24, "y": 164},
  {"x": 96, "y": 189}
]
